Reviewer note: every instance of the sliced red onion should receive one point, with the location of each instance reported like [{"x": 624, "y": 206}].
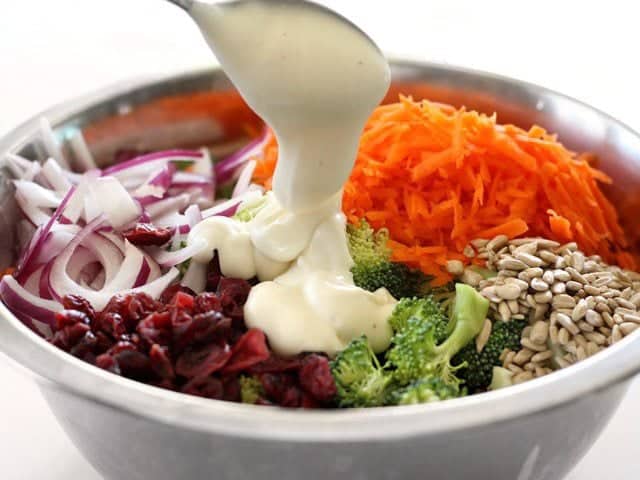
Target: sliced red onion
[
  {"x": 159, "y": 157},
  {"x": 170, "y": 259},
  {"x": 32, "y": 284},
  {"x": 195, "y": 277},
  {"x": 244, "y": 180},
  {"x": 123, "y": 281},
  {"x": 75, "y": 209},
  {"x": 18, "y": 299},
  {"x": 143, "y": 274},
  {"x": 25, "y": 266},
  {"x": 228, "y": 208},
  {"x": 108, "y": 196},
  {"x": 33, "y": 213},
  {"x": 168, "y": 205},
  {"x": 81, "y": 152},
  {"x": 16, "y": 164},
  {"x": 79, "y": 261},
  {"x": 193, "y": 215},
  {"x": 227, "y": 169},
  {"x": 55, "y": 176},
  {"x": 36, "y": 195},
  {"x": 50, "y": 143}
]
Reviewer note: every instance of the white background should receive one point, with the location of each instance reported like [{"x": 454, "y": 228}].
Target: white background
[{"x": 51, "y": 50}]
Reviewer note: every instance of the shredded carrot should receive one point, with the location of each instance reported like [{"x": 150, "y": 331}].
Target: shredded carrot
[{"x": 437, "y": 178}]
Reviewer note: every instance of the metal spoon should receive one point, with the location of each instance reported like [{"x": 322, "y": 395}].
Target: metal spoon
[{"x": 187, "y": 5}]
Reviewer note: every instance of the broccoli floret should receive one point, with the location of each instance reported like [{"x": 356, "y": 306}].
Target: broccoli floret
[
  {"x": 248, "y": 211},
  {"x": 360, "y": 380},
  {"x": 426, "y": 310},
  {"x": 250, "y": 389},
  {"x": 478, "y": 367},
  {"x": 424, "y": 391},
  {"x": 415, "y": 352},
  {"x": 373, "y": 267},
  {"x": 501, "y": 378}
]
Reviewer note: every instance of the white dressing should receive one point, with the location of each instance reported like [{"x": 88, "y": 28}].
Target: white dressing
[{"x": 314, "y": 79}]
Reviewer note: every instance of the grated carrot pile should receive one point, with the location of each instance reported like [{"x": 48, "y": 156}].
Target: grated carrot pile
[{"x": 437, "y": 178}]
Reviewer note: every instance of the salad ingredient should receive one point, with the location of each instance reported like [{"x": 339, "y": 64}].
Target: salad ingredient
[
  {"x": 417, "y": 367},
  {"x": 193, "y": 344},
  {"x": 425, "y": 391},
  {"x": 478, "y": 369},
  {"x": 359, "y": 377},
  {"x": 415, "y": 353},
  {"x": 575, "y": 305},
  {"x": 437, "y": 178},
  {"x": 251, "y": 389},
  {"x": 373, "y": 267},
  {"x": 325, "y": 310},
  {"x": 501, "y": 378}
]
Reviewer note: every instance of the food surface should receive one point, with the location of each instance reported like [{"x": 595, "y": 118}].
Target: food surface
[{"x": 350, "y": 256}]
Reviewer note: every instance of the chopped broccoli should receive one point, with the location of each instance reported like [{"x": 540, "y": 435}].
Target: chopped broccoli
[
  {"x": 417, "y": 368},
  {"x": 424, "y": 391},
  {"x": 427, "y": 310},
  {"x": 415, "y": 352},
  {"x": 501, "y": 378},
  {"x": 249, "y": 210},
  {"x": 250, "y": 389},
  {"x": 478, "y": 367},
  {"x": 360, "y": 380},
  {"x": 373, "y": 267}
]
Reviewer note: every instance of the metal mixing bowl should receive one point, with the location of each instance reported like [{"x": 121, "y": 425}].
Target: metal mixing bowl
[{"x": 130, "y": 431}]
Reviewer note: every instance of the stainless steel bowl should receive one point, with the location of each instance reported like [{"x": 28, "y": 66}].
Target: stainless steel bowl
[{"x": 127, "y": 430}]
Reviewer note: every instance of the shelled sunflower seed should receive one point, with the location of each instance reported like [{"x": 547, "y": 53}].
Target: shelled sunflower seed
[{"x": 576, "y": 304}]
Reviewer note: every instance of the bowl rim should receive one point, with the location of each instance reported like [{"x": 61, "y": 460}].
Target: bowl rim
[{"x": 60, "y": 370}]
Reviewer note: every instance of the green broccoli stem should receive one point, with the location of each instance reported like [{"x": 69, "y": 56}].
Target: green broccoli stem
[{"x": 469, "y": 312}]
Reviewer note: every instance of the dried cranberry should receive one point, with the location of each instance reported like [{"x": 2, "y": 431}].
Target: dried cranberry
[
  {"x": 132, "y": 307},
  {"x": 69, "y": 336},
  {"x": 231, "y": 389},
  {"x": 134, "y": 364},
  {"x": 107, "y": 362},
  {"x": 76, "y": 302},
  {"x": 85, "y": 346},
  {"x": 110, "y": 323},
  {"x": 182, "y": 300},
  {"x": 170, "y": 292},
  {"x": 250, "y": 350},
  {"x": 316, "y": 379},
  {"x": 155, "y": 328},
  {"x": 67, "y": 318},
  {"x": 234, "y": 290},
  {"x": 275, "y": 364},
  {"x": 207, "y": 302},
  {"x": 161, "y": 363},
  {"x": 208, "y": 387},
  {"x": 202, "y": 361},
  {"x": 146, "y": 234}
]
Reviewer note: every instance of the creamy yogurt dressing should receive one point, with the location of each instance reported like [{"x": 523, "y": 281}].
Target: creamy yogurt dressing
[{"x": 314, "y": 79}]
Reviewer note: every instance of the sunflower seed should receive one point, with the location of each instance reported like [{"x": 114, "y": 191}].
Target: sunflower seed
[
  {"x": 522, "y": 377},
  {"x": 628, "y": 317},
  {"x": 455, "y": 267},
  {"x": 594, "y": 318},
  {"x": 573, "y": 286},
  {"x": 577, "y": 259},
  {"x": 508, "y": 291},
  {"x": 627, "y": 328},
  {"x": 529, "y": 259},
  {"x": 528, "y": 343},
  {"x": 511, "y": 264},
  {"x": 558, "y": 287},
  {"x": 539, "y": 332},
  {"x": 497, "y": 243},
  {"x": 523, "y": 356},
  {"x": 483, "y": 336},
  {"x": 543, "y": 297},
  {"x": 567, "y": 323},
  {"x": 580, "y": 310}
]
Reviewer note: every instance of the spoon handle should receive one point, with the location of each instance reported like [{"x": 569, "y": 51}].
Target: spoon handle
[{"x": 184, "y": 4}]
